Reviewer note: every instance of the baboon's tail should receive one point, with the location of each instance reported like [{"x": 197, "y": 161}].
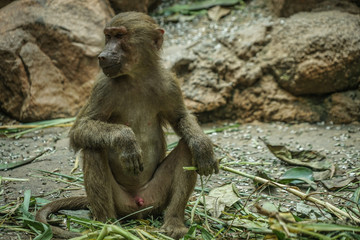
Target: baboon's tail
[{"x": 72, "y": 203}]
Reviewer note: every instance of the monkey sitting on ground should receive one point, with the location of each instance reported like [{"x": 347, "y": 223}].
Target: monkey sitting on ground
[{"x": 120, "y": 130}]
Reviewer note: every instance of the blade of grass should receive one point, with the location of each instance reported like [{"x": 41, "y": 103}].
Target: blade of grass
[
  {"x": 307, "y": 232},
  {"x": 172, "y": 145},
  {"x": 21, "y": 163},
  {"x": 77, "y": 160},
  {"x": 26, "y": 203},
  {"x": 209, "y": 217},
  {"x": 13, "y": 179},
  {"x": 163, "y": 236},
  {"x": 41, "y": 125},
  {"x": 203, "y": 196},
  {"x": 80, "y": 179},
  {"x": 146, "y": 234},
  {"x": 221, "y": 129},
  {"x": 60, "y": 180},
  {"x": 126, "y": 234},
  {"x": 142, "y": 210},
  {"x": 192, "y": 215},
  {"x": 43, "y": 230},
  {"x": 17, "y": 229}
]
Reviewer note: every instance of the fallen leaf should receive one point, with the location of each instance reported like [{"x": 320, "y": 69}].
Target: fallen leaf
[
  {"x": 217, "y": 12},
  {"x": 270, "y": 207},
  {"x": 298, "y": 175},
  {"x": 219, "y": 198},
  {"x": 306, "y": 158},
  {"x": 322, "y": 175},
  {"x": 337, "y": 183},
  {"x": 313, "y": 213}
]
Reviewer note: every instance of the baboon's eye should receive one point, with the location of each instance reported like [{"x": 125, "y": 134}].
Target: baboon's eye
[{"x": 119, "y": 35}]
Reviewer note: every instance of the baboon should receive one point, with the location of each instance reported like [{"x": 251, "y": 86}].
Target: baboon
[{"x": 120, "y": 132}]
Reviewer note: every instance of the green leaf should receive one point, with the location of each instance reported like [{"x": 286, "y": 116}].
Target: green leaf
[
  {"x": 298, "y": 175},
  {"x": 206, "y": 235},
  {"x": 297, "y": 218},
  {"x": 192, "y": 231},
  {"x": 43, "y": 230},
  {"x": 347, "y": 236},
  {"x": 279, "y": 235},
  {"x": 356, "y": 196},
  {"x": 25, "y": 206},
  {"x": 41, "y": 201}
]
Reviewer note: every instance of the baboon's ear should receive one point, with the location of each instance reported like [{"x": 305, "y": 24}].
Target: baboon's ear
[{"x": 159, "y": 38}]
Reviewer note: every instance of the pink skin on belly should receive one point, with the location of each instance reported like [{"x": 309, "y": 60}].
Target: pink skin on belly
[{"x": 139, "y": 201}]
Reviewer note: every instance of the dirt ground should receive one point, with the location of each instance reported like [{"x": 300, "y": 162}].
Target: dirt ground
[{"x": 240, "y": 146}]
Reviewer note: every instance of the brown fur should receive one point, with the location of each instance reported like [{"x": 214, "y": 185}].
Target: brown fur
[{"x": 120, "y": 130}]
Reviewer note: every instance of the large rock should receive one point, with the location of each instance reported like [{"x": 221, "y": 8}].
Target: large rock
[
  {"x": 286, "y": 8},
  {"x": 344, "y": 107},
  {"x": 316, "y": 53},
  {"x": 302, "y": 68},
  {"x": 3, "y": 3},
  {"x": 132, "y": 5},
  {"x": 49, "y": 56}
]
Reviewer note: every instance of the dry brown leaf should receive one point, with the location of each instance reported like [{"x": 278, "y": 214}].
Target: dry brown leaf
[{"x": 217, "y": 12}]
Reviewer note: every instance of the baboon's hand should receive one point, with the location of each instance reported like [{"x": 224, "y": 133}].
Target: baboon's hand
[
  {"x": 131, "y": 158},
  {"x": 129, "y": 151},
  {"x": 203, "y": 155}
]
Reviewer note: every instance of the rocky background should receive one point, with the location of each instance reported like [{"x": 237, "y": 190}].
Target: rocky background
[{"x": 278, "y": 60}]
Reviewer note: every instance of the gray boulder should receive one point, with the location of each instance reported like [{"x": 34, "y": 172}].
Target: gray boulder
[{"x": 49, "y": 56}]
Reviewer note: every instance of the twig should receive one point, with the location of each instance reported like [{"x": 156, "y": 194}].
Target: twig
[{"x": 77, "y": 160}]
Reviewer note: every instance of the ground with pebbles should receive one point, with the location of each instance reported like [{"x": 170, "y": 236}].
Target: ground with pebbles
[{"x": 239, "y": 147}]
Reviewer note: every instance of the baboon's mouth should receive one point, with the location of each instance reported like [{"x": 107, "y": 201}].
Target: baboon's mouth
[
  {"x": 114, "y": 66},
  {"x": 111, "y": 70}
]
